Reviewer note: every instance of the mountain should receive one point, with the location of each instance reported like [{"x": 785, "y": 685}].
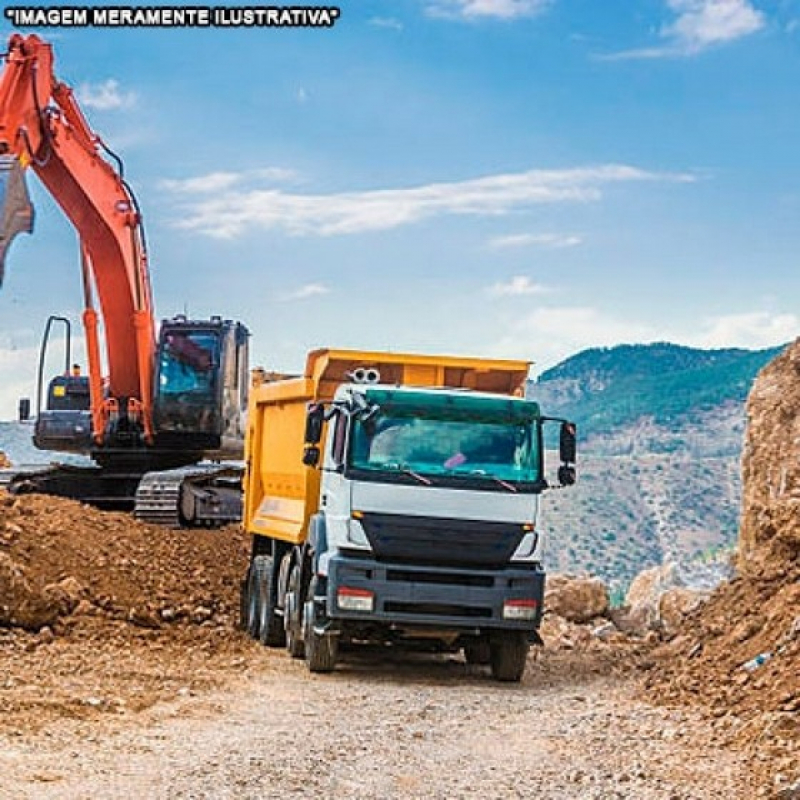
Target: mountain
[{"x": 660, "y": 430}]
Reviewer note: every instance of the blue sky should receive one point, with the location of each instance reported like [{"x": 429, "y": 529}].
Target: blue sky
[{"x": 515, "y": 178}]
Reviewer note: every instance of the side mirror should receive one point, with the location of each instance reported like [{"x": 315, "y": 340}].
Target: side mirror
[
  {"x": 314, "y": 421},
  {"x": 566, "y": 443},
  {"x": 566, "y": 475},
  {"x": 311, "y": 455},
  {"x": 24, "y": 409}
]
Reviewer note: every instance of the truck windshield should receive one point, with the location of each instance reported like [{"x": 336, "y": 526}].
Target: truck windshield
[{"x": 437, "y": 442}]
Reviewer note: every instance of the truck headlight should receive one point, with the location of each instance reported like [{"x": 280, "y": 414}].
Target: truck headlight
[
  {"x": 527, "y": 547},
  {"x": 356, "y": 536}
]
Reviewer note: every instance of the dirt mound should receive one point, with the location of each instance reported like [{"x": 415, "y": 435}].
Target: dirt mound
[
  {"x": 739, "y": 655},
  {"x": 62, "y": 562}
]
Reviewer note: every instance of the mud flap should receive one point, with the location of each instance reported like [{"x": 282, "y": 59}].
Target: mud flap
[{"x": 16, "y": 211}]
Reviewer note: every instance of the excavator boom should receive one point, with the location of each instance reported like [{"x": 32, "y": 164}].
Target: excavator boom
[
  {"x": 152, "y": 405},
  {"x": 43, "y": 129}
]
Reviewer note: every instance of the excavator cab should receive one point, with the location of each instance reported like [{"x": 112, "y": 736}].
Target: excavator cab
[{"x": 201, "y": 386}]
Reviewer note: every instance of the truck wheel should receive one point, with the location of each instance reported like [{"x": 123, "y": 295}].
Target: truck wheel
[
  {"x": 321, "y": 650},
  {"x": 292, "y": 618},
  {"x": 478, "y": 652},
  {"x": 270, "y": 624},
  {"x": 252, "y": 611},
  {"x": 509, "y": 652}
]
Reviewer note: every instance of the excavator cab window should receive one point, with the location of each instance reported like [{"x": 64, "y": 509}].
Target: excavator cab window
[{"x": 188, "y": 374}]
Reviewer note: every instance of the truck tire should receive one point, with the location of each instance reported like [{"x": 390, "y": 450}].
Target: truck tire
[
  {"x": 509, "y": 653},
  {"x": 478, "y": 652},
  {"x": 321, "y": 649},
  {"x": 251, "y": 609},
  {"x": 292, "y": 613},
  {"x": 270, "y": 628}
]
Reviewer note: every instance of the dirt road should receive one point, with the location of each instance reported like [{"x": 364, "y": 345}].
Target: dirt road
[{"x": 376, "y": 729}]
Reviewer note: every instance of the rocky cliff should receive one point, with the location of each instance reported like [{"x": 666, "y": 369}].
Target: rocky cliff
[{"x": 771, "y": 461}]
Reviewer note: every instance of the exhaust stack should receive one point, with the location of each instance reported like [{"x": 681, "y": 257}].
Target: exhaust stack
[{"x": 16, "y": 211}]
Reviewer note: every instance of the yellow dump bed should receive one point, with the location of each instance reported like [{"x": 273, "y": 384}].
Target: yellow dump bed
[{"x": 281, "y": 493}]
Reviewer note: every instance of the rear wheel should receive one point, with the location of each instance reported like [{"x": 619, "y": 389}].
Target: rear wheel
[
  {"x": 251, "y": 600},
  {"x": 292, "y": 614},
  {"x": 509, "y": 653},
  {"x": 271, "y": 631},
  {"x": 321, "y": 649}
]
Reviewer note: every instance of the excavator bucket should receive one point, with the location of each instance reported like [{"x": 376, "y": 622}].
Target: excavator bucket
[{"x": 16, "y": 211}]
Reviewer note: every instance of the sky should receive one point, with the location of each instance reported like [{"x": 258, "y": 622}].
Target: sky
[{"x": 505, "y": 178}]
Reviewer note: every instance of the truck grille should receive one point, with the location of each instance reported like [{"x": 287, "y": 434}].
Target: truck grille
[{"x": 433, "y": 540}]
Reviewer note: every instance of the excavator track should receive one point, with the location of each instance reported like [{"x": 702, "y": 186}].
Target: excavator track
[
  {"x": 106, "y": 489},
  {"x": 205, "y": 495}
]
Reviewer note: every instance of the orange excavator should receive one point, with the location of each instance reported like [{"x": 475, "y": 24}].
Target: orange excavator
[{"x": 159, "y": 404}]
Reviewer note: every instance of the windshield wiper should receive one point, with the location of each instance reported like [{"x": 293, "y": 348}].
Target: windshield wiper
[
  {"x": 406, "y": 471},
  {"x": 421, "y": 478},
  {"x": 505, "y": 484}
]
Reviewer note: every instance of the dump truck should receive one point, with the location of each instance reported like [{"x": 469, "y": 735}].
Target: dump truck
[{"x": 392, "y": 500}]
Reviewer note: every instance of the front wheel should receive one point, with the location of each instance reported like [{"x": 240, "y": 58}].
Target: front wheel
[
  {"x": 321, "y": 649},
  {"x": 508, "y": 654},
  {"x": 477, "y": 652}
]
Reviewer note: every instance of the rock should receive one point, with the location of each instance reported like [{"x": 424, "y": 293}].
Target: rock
[
  {"x": 560, "y": 634},
  {"x": 201, "y": 614},
  {"x": 21, "y": 605},
  {"x": 605, "y": 631},
  {"x": 676, "y": 604},
  {"x": 83, "y": 609},
  {"x": 645, "y": 594},
  {"x": 46, "y": 635},
  {"x": 66, "y": 594},
  {"x": 144, "y": 618},
  {"x": 576, "y": 599}
]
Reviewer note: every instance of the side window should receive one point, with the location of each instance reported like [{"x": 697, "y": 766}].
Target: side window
[{"x": 339, "y": 445}]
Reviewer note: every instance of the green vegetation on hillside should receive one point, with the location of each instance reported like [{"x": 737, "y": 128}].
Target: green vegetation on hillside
[{"x": 611, "y": 387}]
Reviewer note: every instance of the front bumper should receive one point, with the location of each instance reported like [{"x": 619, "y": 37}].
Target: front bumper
[{"x": 435, "y": 596}]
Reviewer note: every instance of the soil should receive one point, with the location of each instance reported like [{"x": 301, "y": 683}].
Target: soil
[{"x": 122, "y": 673}]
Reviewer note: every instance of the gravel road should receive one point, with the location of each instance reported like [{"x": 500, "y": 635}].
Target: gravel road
[{"x": 406, "y": 728}]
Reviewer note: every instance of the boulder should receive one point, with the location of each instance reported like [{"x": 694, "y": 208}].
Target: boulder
[
  {"x": 21, "y": 605},
  {"x": 676, "y": 604},
  {"x": 645, "y": 594},
  {"x": 576, "y": 599}
]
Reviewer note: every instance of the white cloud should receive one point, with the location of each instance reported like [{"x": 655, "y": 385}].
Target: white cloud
[
  {"x": 202, "y": 184},
  {"x": 104, "y": 96},
  {"x": 518, "y": 286},
  {"x": 754, "y": 329},
  {"x": 302, "y": 95},
  {"x": 698, "y": 25},
  {"x": 304, "y": 292},
  {"x": 486, "y": 9},
  {"x": 215, "y": 182},
  {"x": 549, "y": 240},
  {"x": 389, "y": 23},
  {"x": 552, "y": 334},
  {"x": 230, "y": 213},
  {"x": 702, "y": 23}
]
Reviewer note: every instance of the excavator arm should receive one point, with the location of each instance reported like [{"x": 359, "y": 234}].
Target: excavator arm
[{"x": 43, "y": 129}]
